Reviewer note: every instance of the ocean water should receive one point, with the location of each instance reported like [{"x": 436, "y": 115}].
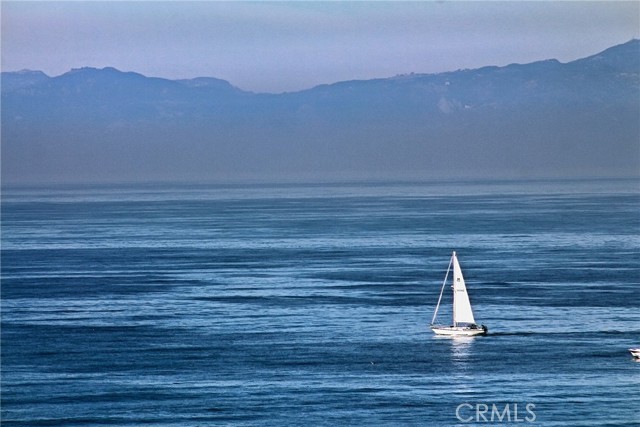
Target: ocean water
[{"x": 291, "y": 305}]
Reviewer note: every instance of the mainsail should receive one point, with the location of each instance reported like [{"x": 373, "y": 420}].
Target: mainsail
[{"x": 462, "y": 313}]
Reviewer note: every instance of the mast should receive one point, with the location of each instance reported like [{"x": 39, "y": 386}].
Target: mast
[
  {"x": 453, "y": 289},
  {"x": 433, "y": 321}
]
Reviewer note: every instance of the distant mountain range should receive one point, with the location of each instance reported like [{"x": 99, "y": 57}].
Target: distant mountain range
[{"x": 546, "y": 118}]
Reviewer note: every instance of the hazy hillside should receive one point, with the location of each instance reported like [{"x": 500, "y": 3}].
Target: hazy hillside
[{"x": 539, "y": 119}]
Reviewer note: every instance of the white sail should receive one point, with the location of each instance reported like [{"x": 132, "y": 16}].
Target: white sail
[{"x": 462, "y": 312}]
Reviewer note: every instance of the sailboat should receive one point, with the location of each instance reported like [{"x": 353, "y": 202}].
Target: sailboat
[{"x": 464, "y": 323}]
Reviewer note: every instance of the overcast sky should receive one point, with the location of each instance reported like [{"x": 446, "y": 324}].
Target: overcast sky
[{"x": 286, "y": 46}]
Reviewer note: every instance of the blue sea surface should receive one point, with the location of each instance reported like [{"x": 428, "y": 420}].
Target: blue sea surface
[{"x": 309, "y": 304}]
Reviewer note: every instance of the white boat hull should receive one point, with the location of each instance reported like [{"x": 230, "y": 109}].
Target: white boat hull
[
  {"x": 635, "y": 352},
  {"x": 458, "y": 331}
]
